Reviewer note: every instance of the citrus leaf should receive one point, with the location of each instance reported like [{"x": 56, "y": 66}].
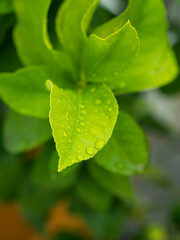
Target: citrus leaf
[
  {"x": 31, "y": 36},
  {"x": 25, "y": 91},
  {"x": 107, "y": 58},
  {"x": 155, "y": 64},
  {"x": 72, "y": 25},
  {"x": 93, "y": 195},
  {"x": 82, "y": 121},
  {"x": 116, "y": 184},
  {"x": 6, "y": 22},
  {"x": 6, "y": 6},
  {"x": 22, "y": 133},
  {"x": 126, "y": 152}
]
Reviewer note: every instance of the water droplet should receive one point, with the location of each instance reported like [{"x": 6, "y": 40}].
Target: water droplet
[
  {"x": 79, "y": 146},
  {"x": 108, "y": 102},
  {"x": 78, "y": 130},
  {"x": 80, "y": 157},
  {"x": 48, "y": 85},
  {"x": 110, "y": 109},
  {"x": 70, "y": 140},
  {"x": 99, "y": 144},
  {"x": 84, "y": 112},
  {"x": 98, "y": 101},
  {"x": 65, "y": 134},
  {"x": 68, "y": 126},
  {"x": 90, "y": 150},
  {"x": 59, "y": 100}
]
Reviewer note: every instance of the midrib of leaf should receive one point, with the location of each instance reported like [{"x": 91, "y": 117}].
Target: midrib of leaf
[{"x": 78, "y": 98}]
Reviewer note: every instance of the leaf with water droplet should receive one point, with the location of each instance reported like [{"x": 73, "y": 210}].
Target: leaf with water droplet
[
  {"x": 107, "y": 58},
  {"x": 156, "y": 64},
  {"x": 87, "y": 135},
  {"x": 127, "y": 151}
]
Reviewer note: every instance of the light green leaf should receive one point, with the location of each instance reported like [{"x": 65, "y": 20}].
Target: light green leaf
[
  {"x": 6, "y": 6},
  {"x": 107, "y": 58},
  {"x": 22, "y": 133},
  {"x": 82, "y": 121},
  {"x": 72, "y": 22},
  {"x": 25, "y": 91},
  {"x": 116, "y": 184},
  {"x": 156, "y": 64},
  {"x": 126, "y": 152},
  {"x": 31, "y": 36}
]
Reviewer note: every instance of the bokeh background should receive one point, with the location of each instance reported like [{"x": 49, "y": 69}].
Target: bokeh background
[{"x": 35, "y": 205}]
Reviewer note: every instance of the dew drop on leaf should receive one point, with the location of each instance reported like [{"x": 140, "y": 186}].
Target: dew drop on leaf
[
  {"x": 84, "y": 112},
  {"x": 99, "y": 144},
  {"x": 80, "y": 157},
  {"x": 65, "y": 134},
  {"x": 98, "y": 101},
  {"x": 78, "y": 130},
  {"x": 90, "y": 150}
]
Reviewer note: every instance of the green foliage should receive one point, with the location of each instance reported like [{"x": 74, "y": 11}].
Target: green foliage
[
  {"x": 64, "y": 66},
  {"x": 83, "y": 115},
  {"x": 22, "y": 133},
  {"x": 78, "y": 137},
  {"x": 155, "y": 64},
  {"x": 107, "y": 58},
  {"x": 117, "y": 185},
  {"x": 126, "y": 152},
  {"x": 6, "y": 6}
]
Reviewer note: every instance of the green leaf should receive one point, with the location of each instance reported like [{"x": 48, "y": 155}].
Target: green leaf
[
  {"x": 44, "y": 172},
  {"x": 11, "y": 176},
  {"x": 156, "y": 64},
  {"x": 22, "y": 133},
  {"x": 107, "y": 58},
  {"x": 116, "y": 184},
  {"x": 6, "y": 21},
  {"x": 126, "y": 152},
  {"x": 72, "y": 22},
  {"x": 93, "y": 194},
  {"x": 31, "y": 36},
  {"x": 82, "y": 121},
  {"x": 6, "y": 6},
  {"x": 25, "y": 91}
]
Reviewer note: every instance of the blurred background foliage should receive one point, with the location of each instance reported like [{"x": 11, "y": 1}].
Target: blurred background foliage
[{"x": 38, "y": 203}]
